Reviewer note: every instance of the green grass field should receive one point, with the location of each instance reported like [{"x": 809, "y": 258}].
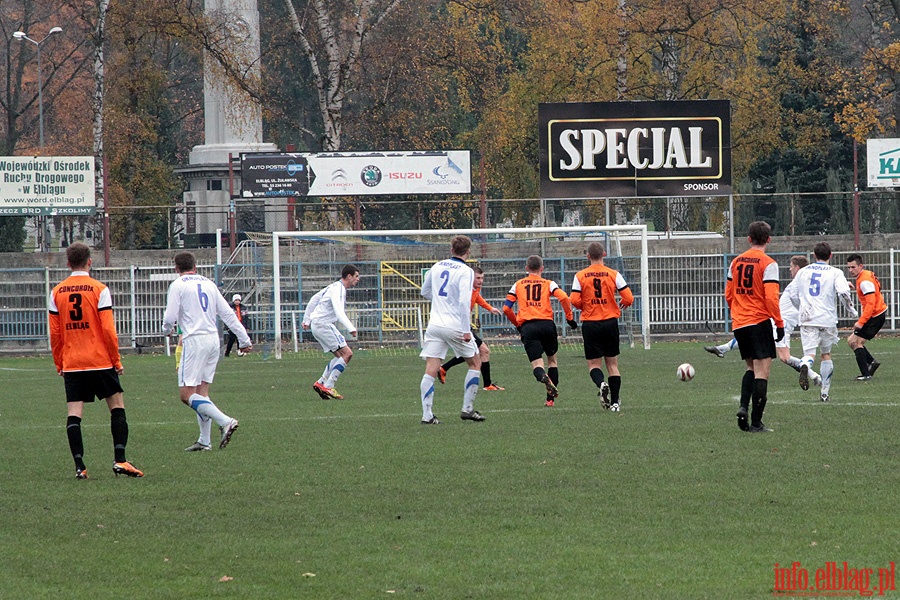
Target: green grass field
[{"x": 355, "y": 499}]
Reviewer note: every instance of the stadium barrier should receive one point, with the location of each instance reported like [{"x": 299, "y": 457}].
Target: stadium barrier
[{"x": 685, "y": 296}]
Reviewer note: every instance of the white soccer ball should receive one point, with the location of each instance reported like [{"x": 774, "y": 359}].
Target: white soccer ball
[
  {"x": 686, "y": 372},
  {"x": 241, "y": 353}
]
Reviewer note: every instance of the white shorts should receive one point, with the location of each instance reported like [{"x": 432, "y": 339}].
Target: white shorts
[
  {"x": 788, "y": 329},
  {"x": 328, "y": 336},
  {"x": 821, "y": 338},
  {"x": 198, "y": 360},
  {"x": 439, "y": 339}
]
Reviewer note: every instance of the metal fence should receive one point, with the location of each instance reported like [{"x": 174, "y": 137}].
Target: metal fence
[
  {"x": 789, "y": 214},
  {"x": 685, "y": 295}
]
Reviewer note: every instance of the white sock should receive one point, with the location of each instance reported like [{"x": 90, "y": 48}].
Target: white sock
[
  {"x": 827, "y": 370},
  {"x": 729, "y": 345},
  {"x": 327, "y": 371},
  {"x": 807, "y": 360},
  {"x": 815, "y": 377},
  {"x": 426, "y": 388},
  {"x": 205, "y": 407},
  {"x": 794, "y": 362},
  {"x": 205, "y": 429},
  {"x": 472, "y": 380},
  {"x": 338, "y": 366}
]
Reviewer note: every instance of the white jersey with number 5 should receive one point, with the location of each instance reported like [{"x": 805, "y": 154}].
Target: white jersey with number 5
[
  {"x": 194, "y": 302},
  {"x": 815, "y": 291},
  {"x": 448, "y": 284}
]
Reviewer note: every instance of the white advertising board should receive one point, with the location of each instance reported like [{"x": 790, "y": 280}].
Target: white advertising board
[
  {"x": 47, "y": 185},
  {"x": 883, "y": 163},
  {"x": 355, "y": 173}
]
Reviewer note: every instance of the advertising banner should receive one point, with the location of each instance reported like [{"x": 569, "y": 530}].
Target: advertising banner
[
  {"x": 635, "y": 149},
  {"x": 355, "y": 173},
  {"x": 47, "y": 185},
  {"x": 883, "y": 163}
]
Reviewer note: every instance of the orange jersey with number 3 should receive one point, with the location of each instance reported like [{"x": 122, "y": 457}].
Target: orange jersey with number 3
[{"x": 82, "y": 328}]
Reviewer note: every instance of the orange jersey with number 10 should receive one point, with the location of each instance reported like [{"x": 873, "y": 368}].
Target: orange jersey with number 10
[
  {"x": 533, "y": 294},
  {"x": 82, "y": 328},
  {"x": 752, "y": 290}
]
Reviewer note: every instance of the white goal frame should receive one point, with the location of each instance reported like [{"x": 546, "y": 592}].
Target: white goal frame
[{"x": 277, "y": 236}]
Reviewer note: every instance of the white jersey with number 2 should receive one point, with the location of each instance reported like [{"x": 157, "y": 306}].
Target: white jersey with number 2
[{"x": 448, "y": 284}]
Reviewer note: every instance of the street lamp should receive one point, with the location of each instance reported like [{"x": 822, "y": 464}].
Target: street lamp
[{"x": 20, "y": 35}]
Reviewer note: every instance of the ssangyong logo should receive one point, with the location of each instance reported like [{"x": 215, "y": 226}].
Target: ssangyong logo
[{"x": 370, "y": 175}]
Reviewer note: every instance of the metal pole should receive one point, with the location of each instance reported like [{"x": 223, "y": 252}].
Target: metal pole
[
  {"x": 855, "y": 198},
  {"x": 40, "y": 98}
]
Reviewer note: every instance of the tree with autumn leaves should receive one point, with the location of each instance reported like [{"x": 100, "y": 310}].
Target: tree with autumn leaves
[{"x": 804, "y": 78}]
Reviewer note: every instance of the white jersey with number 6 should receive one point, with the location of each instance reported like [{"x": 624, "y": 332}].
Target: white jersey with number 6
[
  {"x": 448, "y": 284},
  {"x": 194, "y": 302}
]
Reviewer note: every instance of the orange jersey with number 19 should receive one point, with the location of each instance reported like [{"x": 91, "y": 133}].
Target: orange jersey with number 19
[
  {"x": 752, "y": 289},
  {"x": 82, "y": 329}
]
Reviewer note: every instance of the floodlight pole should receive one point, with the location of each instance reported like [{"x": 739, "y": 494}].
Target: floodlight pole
[{"x": 21, "y": 35}]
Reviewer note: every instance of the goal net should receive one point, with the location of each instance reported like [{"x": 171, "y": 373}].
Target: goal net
[{"x": 387, "y": 306}]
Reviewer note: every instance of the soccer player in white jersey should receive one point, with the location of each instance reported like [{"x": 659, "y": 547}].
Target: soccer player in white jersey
[
  {"x": 194, "y": 302},
  {"x": 815, "y": 291},
  {"x": 448, "y": 285},
  {"x": 322, "y": 312},
  {"x": 791, "y": 317}
]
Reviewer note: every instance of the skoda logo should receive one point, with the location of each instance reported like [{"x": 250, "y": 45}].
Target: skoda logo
[{"x": 371, "y": 175}]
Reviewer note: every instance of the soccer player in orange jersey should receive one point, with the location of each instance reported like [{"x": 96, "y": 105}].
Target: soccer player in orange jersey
[
  {"x": 483, "y": 351},
  {"x": 534, "y": 321},
  {"x": 871, "y": 319},
  {"x": 594, "y": 293},
  {"x": 86, "y": 352},
  {"x": 752, "y": 295}
]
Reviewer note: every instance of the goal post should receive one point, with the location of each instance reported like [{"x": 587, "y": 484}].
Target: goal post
[{"x": 483, "y": 240}]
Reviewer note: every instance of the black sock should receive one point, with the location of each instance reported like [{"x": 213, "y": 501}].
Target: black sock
[
  {"x": 747, "y": 388},
  {"x": 869, "y": 358},
  {"x": 597, "y": 376},
  {"x": 615, "y": 384},
  {"x": 119, "y": 427},
  {"x": 486, "y": 373},
  {"x": 553, "y": 372},
  {"x": 760, "y": 390},
  {"x": 539, "y": 373},
  {"x": 73, "y": 431},
  {"x": 452, "y": 362},
  {"x": 861, "y": 360}
]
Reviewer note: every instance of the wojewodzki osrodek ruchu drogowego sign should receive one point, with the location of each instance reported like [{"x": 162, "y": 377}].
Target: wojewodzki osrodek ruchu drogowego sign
[{"x": 47, "y": 185}]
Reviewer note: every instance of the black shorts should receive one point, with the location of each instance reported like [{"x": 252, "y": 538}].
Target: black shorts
[
  {"x": 871, "y": 327},
  {"x": 539, "y": 338},
  {"x": 756, "y": 341},
  {"x": 601, "y": 338},
  {"x": 478, "y": 340},
  {"x": 83, "y": 386}
]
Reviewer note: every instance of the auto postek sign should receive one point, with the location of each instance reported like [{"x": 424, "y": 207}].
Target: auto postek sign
[{"x": 635, "y": 149}]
